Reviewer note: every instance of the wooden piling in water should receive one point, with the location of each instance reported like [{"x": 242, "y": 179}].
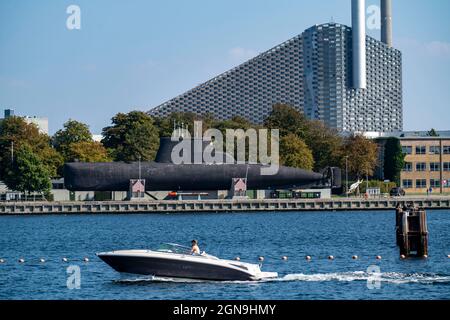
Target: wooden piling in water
[
  {"x": 412, "y": 231},
  {"x": 398, "y": 223}
]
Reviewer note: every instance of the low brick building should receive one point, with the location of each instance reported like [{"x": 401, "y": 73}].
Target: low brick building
[{"x": 427, "y": 164}]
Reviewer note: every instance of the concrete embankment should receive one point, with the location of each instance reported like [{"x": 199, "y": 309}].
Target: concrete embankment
[{"x": 198, "y": 206}]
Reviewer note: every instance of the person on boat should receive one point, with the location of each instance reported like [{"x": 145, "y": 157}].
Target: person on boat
[{"x": 194, "y": 247}]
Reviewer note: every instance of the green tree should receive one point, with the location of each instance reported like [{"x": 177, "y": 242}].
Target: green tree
[
  {"x": 132, "y": 136},
  {"x": 76, "y": 144},
  {"x": 14, "y": 132},
  {"x": 287, "y": 119},
  {"x": 52, "y": 159},
  {"x": 28, "y": 173},
  {"x": 394, "y": 160},
  {"x": 295, "y": 153},
  {"x": 73, "y": 132},
  {"x": 362, "y": 156},
  {"x": 87, "y": 151},
  {"x": 234, "y": 123},
  {"x": 325, "y": 144}
]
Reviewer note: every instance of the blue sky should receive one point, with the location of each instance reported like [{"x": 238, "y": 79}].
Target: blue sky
[{"x": 137, "y": 54}]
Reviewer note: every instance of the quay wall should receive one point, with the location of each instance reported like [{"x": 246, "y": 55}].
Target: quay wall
[{"x": 199, "y": 206}]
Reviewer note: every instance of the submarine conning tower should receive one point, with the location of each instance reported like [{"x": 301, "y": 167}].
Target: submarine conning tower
[{"x": 166, "y": 145}]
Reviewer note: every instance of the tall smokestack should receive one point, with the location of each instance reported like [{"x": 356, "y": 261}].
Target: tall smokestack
[
  {"x": 359, "y": 43},
  {"x": 386, "y": 22}
]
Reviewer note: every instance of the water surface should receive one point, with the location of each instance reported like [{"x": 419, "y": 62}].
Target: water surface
[{"x": 248, "y": 235}]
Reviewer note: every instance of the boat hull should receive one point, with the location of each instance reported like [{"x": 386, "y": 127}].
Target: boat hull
[{"x": 163, "y": 267}]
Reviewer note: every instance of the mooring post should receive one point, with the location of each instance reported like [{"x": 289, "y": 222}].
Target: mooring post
[
  {"x": 412, "y": 232},
  {"x": 405, "y": 245},
  {"x": 398, "y": 223},
  {"x": 423, "y": 247}
]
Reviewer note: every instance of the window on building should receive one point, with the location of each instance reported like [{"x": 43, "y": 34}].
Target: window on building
[
  {"x": 435, "y": 150},
  {"x": 421, "y": 166},
  {"x": 446, "y": 149},
  {"x": 421, "y": 183},
  {"x": 446, "y": 166},
  {"x": 408, "y": 167},
  {"x": 407, "y": 184},
  {"x": 435, "y": 166},
  {"x": 407, "y": 149},
  {"x": 435, "y": 183},
  {"x": 421, "y": 149}
]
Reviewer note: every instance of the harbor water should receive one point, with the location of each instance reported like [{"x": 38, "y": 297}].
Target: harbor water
[{"x": 365, "y": 234}]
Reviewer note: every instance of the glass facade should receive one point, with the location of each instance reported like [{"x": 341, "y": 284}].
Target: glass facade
[
  {"x": 407, "y": 149},
  {"x": 312, "y": 72},
  {"x": 421, "y": 150},
  {"x": 407, "y": 184},
  {"x": 435, "y": 183},
  {"x": 408, "y": 167},
  {"x": 435, "y": 150},
  {"x": 435, "y": 166},
  {"x": 421, "y": 183},
  {"x": 421, "y": 166}
]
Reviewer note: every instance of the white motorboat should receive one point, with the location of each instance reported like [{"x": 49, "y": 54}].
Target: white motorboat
[{"x": 176, "y": 261}]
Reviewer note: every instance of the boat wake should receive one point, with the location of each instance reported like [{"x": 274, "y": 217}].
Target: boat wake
[{"x": 386, "y": 277}]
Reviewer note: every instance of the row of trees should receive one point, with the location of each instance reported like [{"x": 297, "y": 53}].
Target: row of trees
[
  {"x": 29, "y": 158},
  {"x": 325, "y": 145}
]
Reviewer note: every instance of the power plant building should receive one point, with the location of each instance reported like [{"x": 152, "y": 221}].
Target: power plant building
[{"x": 330, "y": 72}]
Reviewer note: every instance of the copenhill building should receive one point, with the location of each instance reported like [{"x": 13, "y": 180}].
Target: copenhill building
[{"x": 330, "y": 72}]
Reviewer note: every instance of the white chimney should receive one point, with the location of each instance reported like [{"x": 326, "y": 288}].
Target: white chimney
[
  {"x": 359, "y": 43},
  {"x": 386, "y": 22}
]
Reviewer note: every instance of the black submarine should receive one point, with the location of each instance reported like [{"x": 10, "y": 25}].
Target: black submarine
[{"x": 164, "y": 175}]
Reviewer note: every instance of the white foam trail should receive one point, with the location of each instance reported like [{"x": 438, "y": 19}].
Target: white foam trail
[{"x": 388, "y": 277}]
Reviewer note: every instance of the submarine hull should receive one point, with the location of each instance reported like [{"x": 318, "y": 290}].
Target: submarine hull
[{"x": 115, "y": 176}]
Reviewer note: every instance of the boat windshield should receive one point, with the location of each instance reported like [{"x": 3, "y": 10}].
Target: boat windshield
[{"x": 174, "y": 248}]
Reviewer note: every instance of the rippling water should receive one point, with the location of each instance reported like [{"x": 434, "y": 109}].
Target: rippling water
[{"x": 272, "y": 235}]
